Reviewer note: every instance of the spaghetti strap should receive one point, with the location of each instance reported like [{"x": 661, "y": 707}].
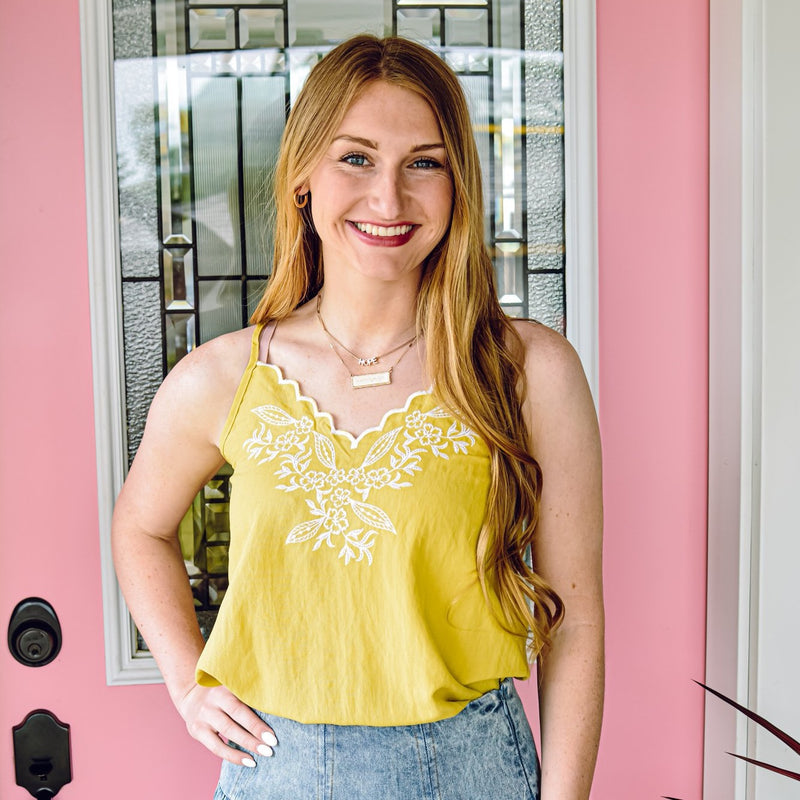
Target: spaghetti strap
[{"x": 267, "y": 330}]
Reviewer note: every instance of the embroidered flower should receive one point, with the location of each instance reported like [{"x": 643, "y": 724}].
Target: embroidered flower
[
  {"x": 376, "y": 478},
  {"x": 286, "y": 441},
  {"x": 340, "y": 497},
  {"x": 303, "y": 426},
  {"x": 336, "y": 521},
  {"x": 415, "y": 419},
  {"x": 337, "y": 499},
  {"x": 429, "y": 435}
]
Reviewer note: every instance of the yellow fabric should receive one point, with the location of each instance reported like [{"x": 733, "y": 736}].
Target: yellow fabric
[{"x": 353, "y": 596}]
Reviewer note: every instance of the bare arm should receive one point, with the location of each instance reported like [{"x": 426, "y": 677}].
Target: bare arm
[
  {"x": 178, "y": 454},
  {"x": 568, "y": 554}
]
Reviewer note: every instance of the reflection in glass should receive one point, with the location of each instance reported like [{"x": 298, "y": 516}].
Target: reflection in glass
[{"x": 199, "y": 120}]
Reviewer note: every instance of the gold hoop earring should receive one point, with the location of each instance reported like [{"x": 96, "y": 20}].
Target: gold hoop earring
[{"x": 301, "y": 200}]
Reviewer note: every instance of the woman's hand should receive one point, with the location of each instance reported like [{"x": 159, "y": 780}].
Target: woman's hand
[{"x": 215, "y": 715}]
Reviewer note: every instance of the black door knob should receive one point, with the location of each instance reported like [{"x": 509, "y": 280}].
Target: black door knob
[{"x": 34, "y": 633}]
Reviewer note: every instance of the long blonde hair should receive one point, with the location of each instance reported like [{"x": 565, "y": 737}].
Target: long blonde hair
[{"x": 474, "y": 355}]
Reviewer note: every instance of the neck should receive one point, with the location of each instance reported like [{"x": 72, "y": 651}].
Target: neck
[{"x": 368, "y": 318}]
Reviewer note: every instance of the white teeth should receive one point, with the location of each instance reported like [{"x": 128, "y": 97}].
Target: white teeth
[{"x": 379, "y": 230}]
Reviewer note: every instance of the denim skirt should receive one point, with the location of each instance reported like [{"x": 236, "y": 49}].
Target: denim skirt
[{"x": 486, "y": 751}]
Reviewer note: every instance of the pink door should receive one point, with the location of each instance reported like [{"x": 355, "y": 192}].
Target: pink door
[{"x": 126, "y": 741}]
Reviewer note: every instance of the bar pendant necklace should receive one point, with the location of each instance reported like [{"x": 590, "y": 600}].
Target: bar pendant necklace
[{"x": 368, "y": 379}]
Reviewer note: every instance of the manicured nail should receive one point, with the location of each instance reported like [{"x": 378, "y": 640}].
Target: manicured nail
[
  {"x": 269, "y": 738},
  {"x": 264, "y": 749},
  {"x": 248, "y": 762}
]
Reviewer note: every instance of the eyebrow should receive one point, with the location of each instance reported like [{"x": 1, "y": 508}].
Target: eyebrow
[{"x": 374, "y": 146}]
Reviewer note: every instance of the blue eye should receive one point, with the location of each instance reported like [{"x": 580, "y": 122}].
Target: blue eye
[
  {"x": 426, "y": 163},
  {"x": 355, "y": 159}
]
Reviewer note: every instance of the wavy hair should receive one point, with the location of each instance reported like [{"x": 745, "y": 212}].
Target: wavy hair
[{"x": 473, "y": 353}]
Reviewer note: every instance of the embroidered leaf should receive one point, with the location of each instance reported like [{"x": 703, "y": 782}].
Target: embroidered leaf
[
  {"x": 303, "y": 531},
  {"x": 273, "y": 415},
  {"x": 346, "y": 553},
  {"x": 324, "y": 450},
  {"x": 373, "y": 516},
  {"x": 381, "y": 447},
  {"x": 438, "y": 412}
]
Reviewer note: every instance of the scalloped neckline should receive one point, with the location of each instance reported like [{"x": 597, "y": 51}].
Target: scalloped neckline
[{"x": 319, "y": 414}]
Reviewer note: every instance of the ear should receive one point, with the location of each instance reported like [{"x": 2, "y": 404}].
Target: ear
[{"x": 304, "y": 188}]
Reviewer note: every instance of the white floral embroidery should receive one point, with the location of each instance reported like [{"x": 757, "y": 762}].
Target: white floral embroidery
[{"x": 340, "y": 515}]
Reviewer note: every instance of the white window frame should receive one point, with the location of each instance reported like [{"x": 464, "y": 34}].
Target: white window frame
[{"x": 580, "y": 143}]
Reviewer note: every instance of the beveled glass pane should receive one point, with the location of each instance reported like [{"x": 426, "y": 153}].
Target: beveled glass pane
[
  {"x": 178, "y": 279},
  {"x": 216, "y": 175},
  {"x": 180, "y": 337},
  {"x": 420, "y": 24},
  {"x": 442, "y": 3},
  {"x": 261, "y": 28},
  {"x": 217, "y": 558},
  {"x": 141, "y": 332},
  {"x": 218, "y": 527},
  {"x": 546, "y": 300},
  {"x": 476, "y": 90},
  {"x": 136, "y": 168},
  {"x": 220, "y": 307},
  {"x": 508, "y": 33},
  {"x": 314, "y": 24},
  {"x": 212, "y": 29},
  {"x": 466, "y": 27},
  {"x": 173, "y": 142},
  {"x": 509, "y": 270},
  {"x": 263, "y": 118}
]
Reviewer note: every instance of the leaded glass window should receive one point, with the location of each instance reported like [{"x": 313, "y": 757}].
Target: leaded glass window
[{"x": 201, "y": 94}]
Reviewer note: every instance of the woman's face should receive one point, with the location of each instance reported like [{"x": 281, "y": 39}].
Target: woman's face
[{"x": 382, "y": 195}]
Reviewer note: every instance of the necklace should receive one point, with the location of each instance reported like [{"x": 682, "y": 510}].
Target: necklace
[
  {"x": 362, "y": 362},
  {"x": 371, "y": 378}
]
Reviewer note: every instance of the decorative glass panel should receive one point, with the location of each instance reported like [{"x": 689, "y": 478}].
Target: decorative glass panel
[{"x": 201, "y": 92}]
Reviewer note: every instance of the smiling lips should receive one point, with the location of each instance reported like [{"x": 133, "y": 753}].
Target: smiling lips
[{"x": 392, "y": 236}]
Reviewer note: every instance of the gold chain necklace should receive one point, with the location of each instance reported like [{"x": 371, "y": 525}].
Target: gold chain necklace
[
  {"x": 362, "y": 362},
  {"x": 371, "y": 378}
]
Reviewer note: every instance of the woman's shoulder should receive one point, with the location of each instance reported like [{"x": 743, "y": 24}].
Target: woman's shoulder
[
  {"x": 557, "y": 392},
  {"x": 546, "y": 352},
  {"x": 205, "y": 380}
]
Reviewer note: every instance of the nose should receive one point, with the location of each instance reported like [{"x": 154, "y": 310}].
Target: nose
[{"x": 387, "y": 193}]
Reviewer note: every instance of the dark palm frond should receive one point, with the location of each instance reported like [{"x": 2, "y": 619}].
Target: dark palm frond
[
  {"x": 768, "y": 726},
  {"x": 794, "y": 775}
]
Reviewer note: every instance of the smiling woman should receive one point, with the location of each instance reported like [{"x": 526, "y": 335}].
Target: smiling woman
[
  {"x": 396, "y": 642},
  {"x": 381, "y": 196}
]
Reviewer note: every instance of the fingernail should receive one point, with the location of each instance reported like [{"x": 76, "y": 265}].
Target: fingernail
[
  {"x": 269, "y": 738},
  {"x": 248, "y": 762},
  {"x": 264, "y": 750}
]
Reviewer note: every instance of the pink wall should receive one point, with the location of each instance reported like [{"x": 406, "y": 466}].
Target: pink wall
[
  {"x": 653, "y": 236},
  {"x": 653, "y": 198}
]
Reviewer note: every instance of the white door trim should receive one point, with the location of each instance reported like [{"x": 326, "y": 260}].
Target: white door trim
[{"x": 735, "y": 270}]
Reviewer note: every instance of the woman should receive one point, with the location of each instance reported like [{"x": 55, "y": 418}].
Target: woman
[{"x": 399, "y": 447}]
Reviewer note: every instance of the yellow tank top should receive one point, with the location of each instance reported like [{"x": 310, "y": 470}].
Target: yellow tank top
[{"x": 353, "y": 597}]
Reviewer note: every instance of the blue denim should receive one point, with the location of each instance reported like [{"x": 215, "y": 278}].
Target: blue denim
[{"x": 486, "y": 751}]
